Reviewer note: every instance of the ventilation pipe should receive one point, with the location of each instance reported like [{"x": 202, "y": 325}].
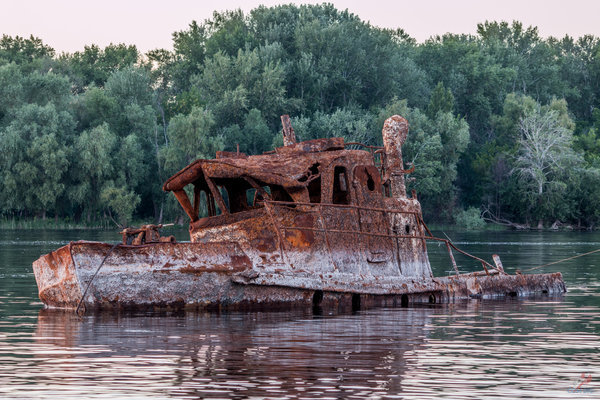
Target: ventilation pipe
[{"x": 394, "y": 134}]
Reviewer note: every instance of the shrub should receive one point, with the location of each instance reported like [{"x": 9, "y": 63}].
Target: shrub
[{"x": 469, "y": 219}]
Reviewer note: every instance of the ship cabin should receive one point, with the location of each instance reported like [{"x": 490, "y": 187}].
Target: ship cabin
[{"x": 314, "y": 203}]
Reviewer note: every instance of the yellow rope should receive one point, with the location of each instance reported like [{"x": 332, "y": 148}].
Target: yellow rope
[{"x": 564, "y": 259}]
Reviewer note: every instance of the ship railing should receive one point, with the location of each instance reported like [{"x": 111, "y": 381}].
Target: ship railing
[
  {"x": 377, "y": 152},
  {"x": 424, "y": 233}
]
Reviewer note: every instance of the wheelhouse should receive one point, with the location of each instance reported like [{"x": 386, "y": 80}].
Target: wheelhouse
[{"x": 234, "y": 186}]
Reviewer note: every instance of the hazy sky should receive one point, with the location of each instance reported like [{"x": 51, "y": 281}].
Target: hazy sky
[{"x": 68, "y": 25}]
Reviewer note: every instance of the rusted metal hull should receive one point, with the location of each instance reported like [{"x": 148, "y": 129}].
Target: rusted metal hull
[{"x": 220, "y": 275}]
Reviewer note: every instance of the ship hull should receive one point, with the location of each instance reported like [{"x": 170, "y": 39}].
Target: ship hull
[{"x": 221, "y": 275}]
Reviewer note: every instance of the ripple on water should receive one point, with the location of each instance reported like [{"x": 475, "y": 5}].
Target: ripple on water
[{"x": 534, "y": 348}]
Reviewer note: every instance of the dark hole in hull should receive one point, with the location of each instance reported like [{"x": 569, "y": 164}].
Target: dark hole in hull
[
  {"x": 355, "y": 302},
  {"x": 404, "y": 300},
  {"x": 432, "y": 298},
  {"x": 316, "y": 302},
  {"x": 317, "y": 298}
]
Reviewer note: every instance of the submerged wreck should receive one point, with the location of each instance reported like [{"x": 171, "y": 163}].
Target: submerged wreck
[{"x": 314, "y": 223}]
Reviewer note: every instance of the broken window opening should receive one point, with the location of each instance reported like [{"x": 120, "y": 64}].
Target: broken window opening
[
  {"x": 234, "y": 192},
  {"x": 387, "y": 190},
  {"x": 278, "y": 193},
  {"x": 255, "y": 197},
  {"x": 311, "y": 173},
  {"x": 216, "y": 194},
  {"x": 234, "y": 195},
  {"x": 250, "y": 195},
  {"x": 340, "y": 194},
  {"x": 238, "y": 197},
  {"x": 225, "y": 197},
  {"x": 314, "y": 190},
  {"x": 201, "y": 203},
  {"x": 210, "y": 202},
  {"x": 312, "y": 179},
  {"x": 256, "y": 194},
  {"x": 370, "y": 182},
  {"x": 272, "y": 192},
  {"x": 260, "y": 194}
]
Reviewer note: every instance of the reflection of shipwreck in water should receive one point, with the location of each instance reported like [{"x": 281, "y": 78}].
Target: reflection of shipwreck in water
[
  {"x": 310, "y": 223},
  {"x": 241, "y": 354}
]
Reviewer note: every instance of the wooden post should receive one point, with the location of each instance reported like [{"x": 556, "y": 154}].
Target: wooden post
[
  {"x": 498, "y": 263},
  {"x": 452, "y": 258},
  {"x": 289, "y": 136}
]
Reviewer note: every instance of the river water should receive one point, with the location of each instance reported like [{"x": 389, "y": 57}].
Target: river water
[{"x": 513, "y": 348}]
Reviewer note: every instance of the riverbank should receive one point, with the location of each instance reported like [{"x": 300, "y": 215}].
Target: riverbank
[{"x": 51, "y": 223}]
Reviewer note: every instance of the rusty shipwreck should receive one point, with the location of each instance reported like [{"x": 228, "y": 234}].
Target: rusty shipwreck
[{"x": 314, "y": 223}]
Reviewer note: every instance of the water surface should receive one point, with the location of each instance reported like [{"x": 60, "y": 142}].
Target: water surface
[{"x": 525, "y": 348}]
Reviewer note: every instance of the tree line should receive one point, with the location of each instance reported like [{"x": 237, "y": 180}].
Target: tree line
[{"x": 504, "y": 123}]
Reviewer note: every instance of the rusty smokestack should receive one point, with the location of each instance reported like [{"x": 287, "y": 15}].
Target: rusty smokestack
[{"x": 394, "y": 132}]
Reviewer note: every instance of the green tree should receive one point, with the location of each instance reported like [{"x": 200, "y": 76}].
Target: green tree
[
  {"x": 121, "y": 201},
  {"x": 254, "y": 138},
  {"x": 44, "y": 88},
  {"x": 441, "y": 100},
  {"x": 227, "y": 33},
  {"x": 506, "y": 126},
  {"x": 190, "y": 138},
  {"x": 134, "y": 122},
  {"x": 11, "y": 89},
  {"x": 94, "y": 107},
  {"x": 532, "y": 60},
  {"x": 477, "y": 81},
  {"x": 30, "y": 54},
  {"x": 93, "y": 65},
  {"x": 231, "y": 84},
  {"x": 33, "y": 156},
  {"x": 189, "y": 54},
  {"x": 92, "y": 167},
  {"x": 352, "y": 123}
]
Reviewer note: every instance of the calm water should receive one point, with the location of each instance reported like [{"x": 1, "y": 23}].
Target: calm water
[{"x": 535, "y": 347}]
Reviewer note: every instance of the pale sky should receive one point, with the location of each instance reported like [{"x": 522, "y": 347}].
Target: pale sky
[{"x": 69, "y": 25}]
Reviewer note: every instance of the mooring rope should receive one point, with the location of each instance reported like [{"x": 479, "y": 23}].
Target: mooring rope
[
  {"x": 564, "y": 259},
  {"x": 93, "y": 276}
]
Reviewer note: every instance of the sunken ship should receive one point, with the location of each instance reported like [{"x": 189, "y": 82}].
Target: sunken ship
[{"x": 314, "y": 223}]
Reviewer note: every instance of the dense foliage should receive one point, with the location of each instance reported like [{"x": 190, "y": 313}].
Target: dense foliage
[{"x": 503, "y": 123}]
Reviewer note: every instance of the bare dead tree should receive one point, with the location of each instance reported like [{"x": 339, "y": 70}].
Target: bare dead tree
[{"x": 544, "y": 150}]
